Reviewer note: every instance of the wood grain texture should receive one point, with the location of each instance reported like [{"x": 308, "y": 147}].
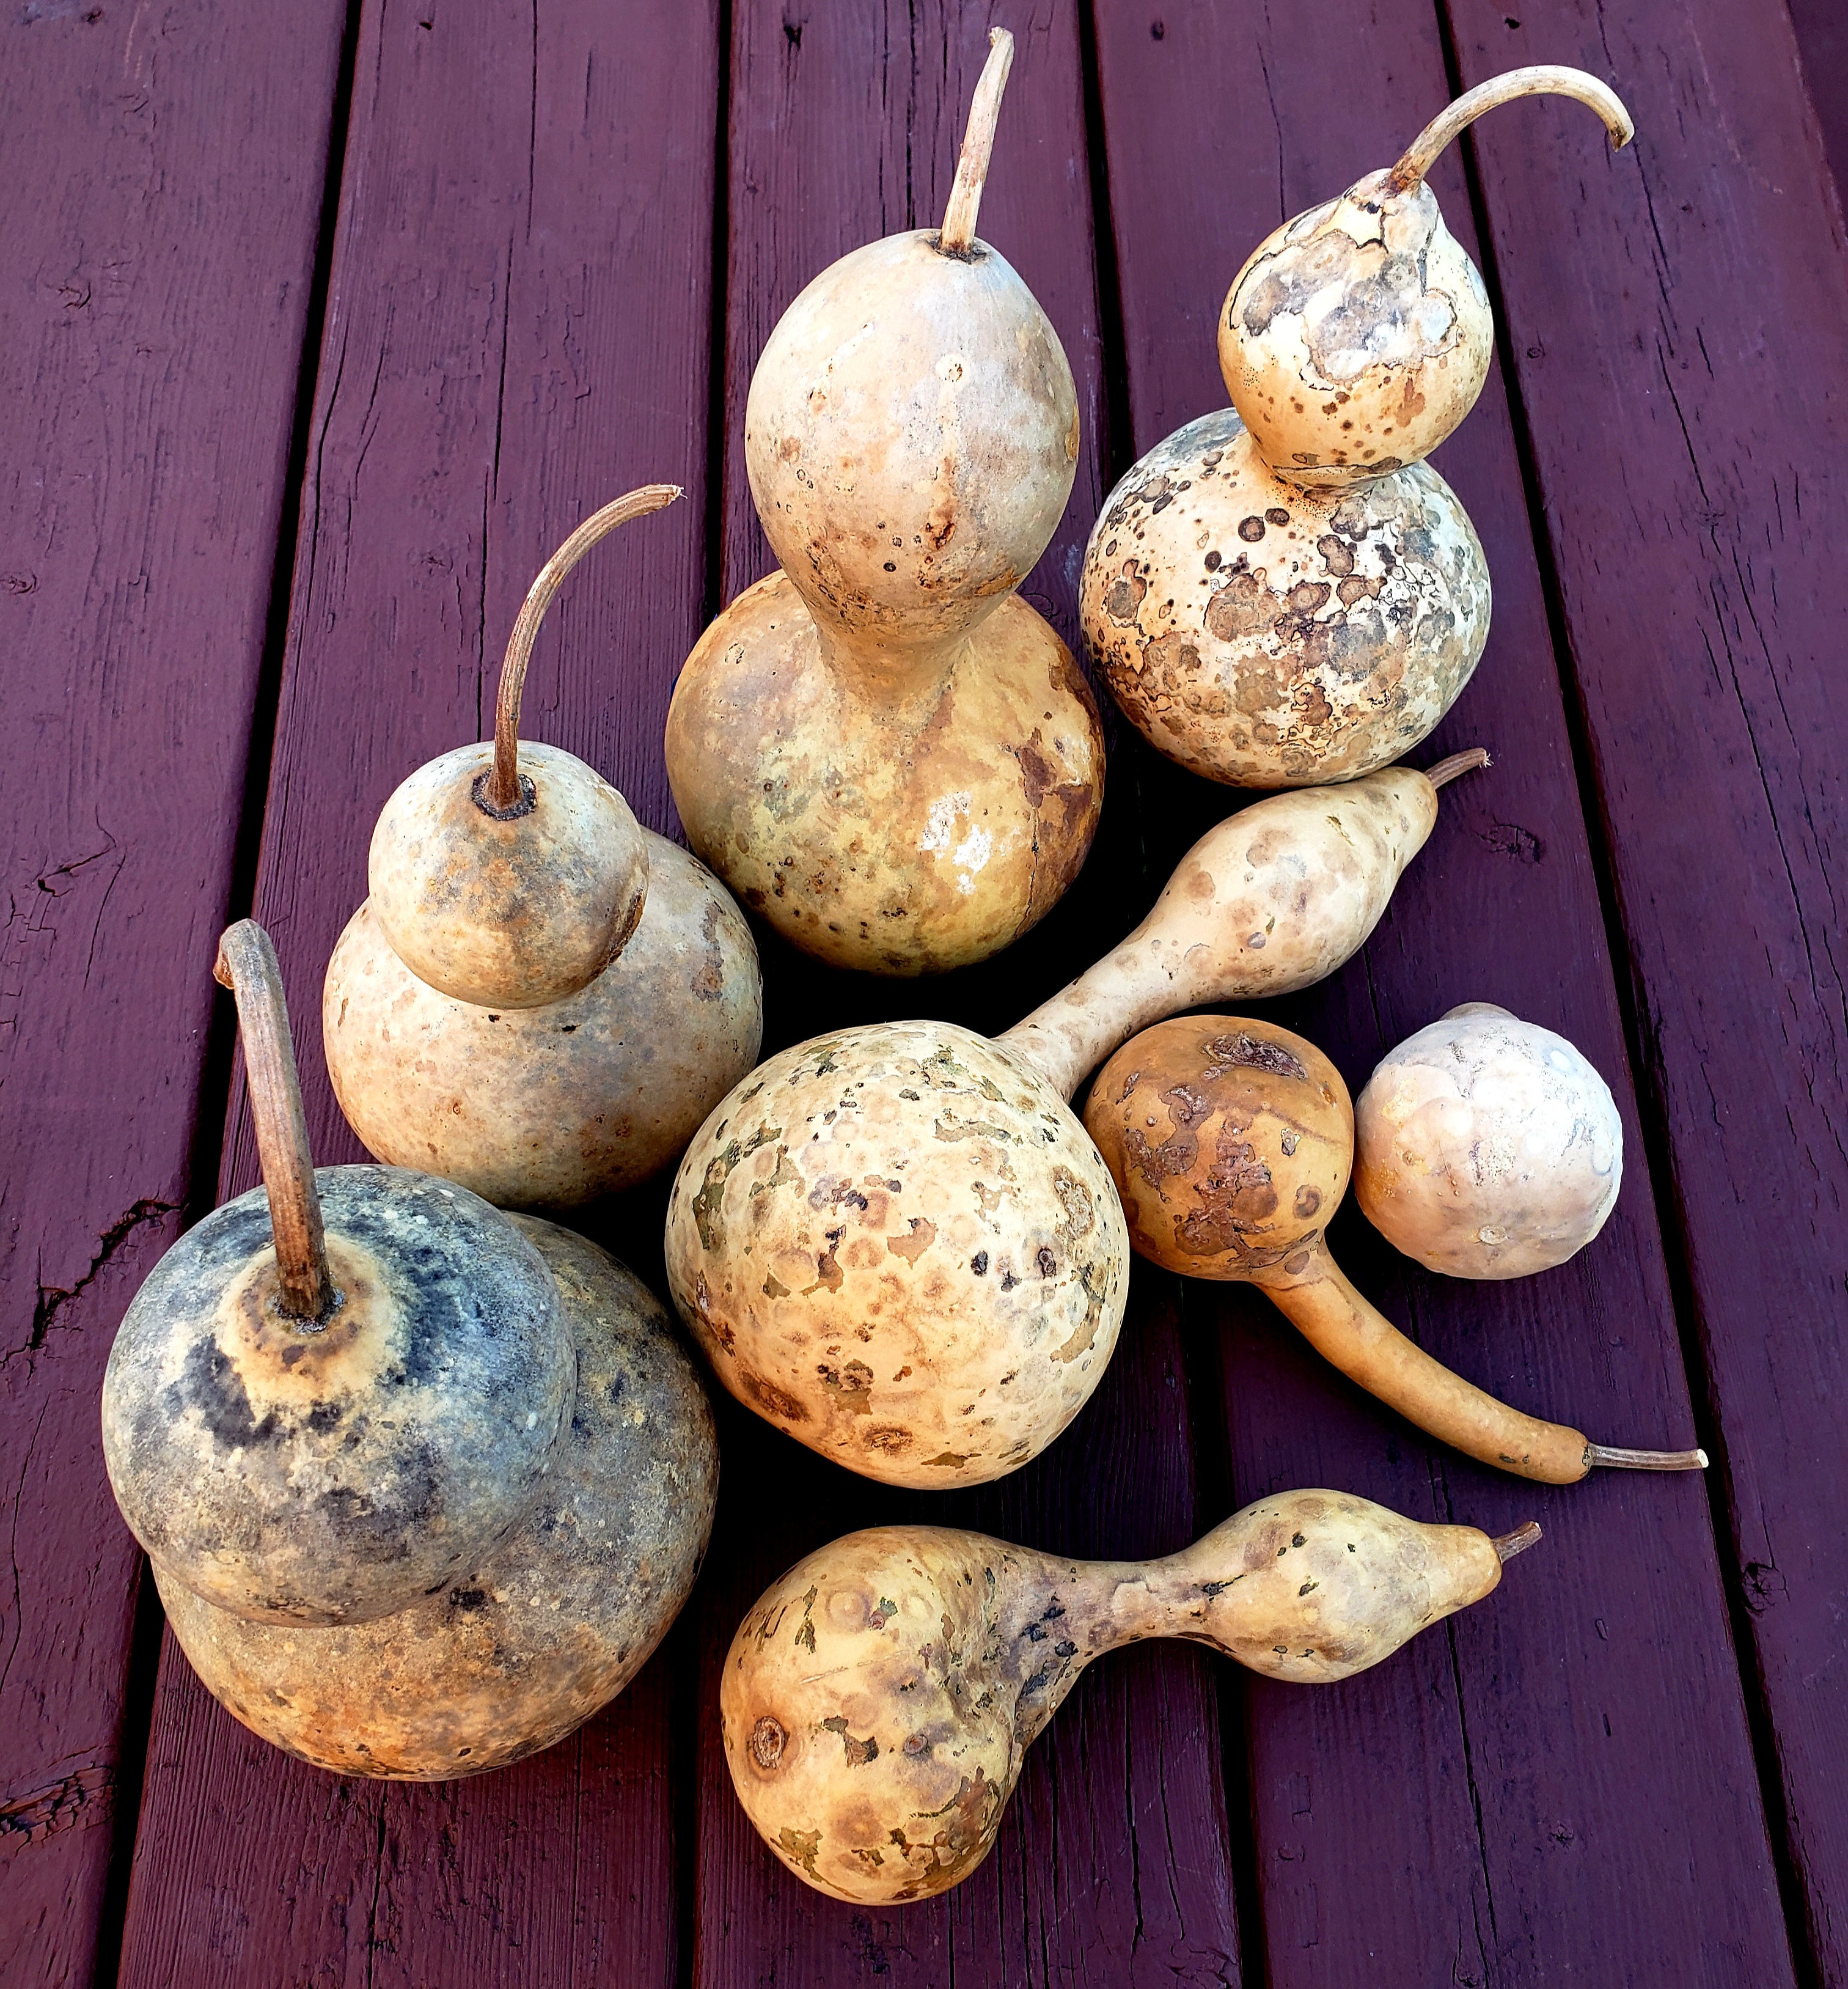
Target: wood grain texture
[
  {"x": 148, "y": 371},
  {"x": 1680, "y": 349},
  {"x": 1510, "y": 1799},
  {"x": 517, "y": 330},
  {"x": 1113, "y": 1863}
]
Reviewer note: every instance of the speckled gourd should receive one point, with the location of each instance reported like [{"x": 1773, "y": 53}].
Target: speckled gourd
[
  {"x": 549, "y": 1626},
  {"x": 338, "y": 1393},
  {"x": 880, "y": 748},
  {"x": 878, "y": 1701},
  {"x": 897, "y": 1243},
  {"x": 1486, "y": 1147},
  {"x": 1230, "y": 1141}
]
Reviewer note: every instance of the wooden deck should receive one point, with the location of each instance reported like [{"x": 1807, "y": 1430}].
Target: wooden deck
[{"x": 320, "y": 325}]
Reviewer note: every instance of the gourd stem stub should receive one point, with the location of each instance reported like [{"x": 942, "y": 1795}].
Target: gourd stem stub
[
  {"x": 957, "y": 234},
  {"x": 247, "y": 965},
  {"x": 1544, "y": 80},
  {"x": 1458, "y": 763},
  {"x": 1508, "y": 1545},
  {"x": 503, "y": 796},
  {"x": 1643, "y": 1460}
]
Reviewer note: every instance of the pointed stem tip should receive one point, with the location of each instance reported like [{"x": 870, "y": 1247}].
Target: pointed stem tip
[
  {"x": 1544, "y": 79},
  {"x": 1643, "y": 1460},
  {"x": 1508, "y": 1545},
  {"x": 1458, "y": 763},
  {"x": 957, "y": 235},
  {"x": 247, "y": 965},
  {"x": 501, "y": 794}
]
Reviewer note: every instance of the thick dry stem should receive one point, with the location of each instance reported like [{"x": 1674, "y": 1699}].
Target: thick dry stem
[
  {"x": 247, "y": 965},
  {"x": 1508, "y": 1545},
  {"x": 1644, "y": 1460},
  {"x": 1465, "y": 762},
  {"x": 1544, "y": 79},
  {"x": 502, "y": 795},
  {"x": 958, "y": 232}
]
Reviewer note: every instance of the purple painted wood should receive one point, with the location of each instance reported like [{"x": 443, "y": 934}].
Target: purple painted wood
[
  {"x": 1821, "y": 35},
  {"x": 517, "y": 330},
  {"x": 1113, "y": 1864},
  {"x": 148, "y": 369},
  {"x": 1680, "y": 352},
  {"x": 1512, "y": 1798}
]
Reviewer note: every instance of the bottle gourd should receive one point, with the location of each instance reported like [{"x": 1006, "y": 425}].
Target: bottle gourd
[
  {"x": 540, "y": 999},
  {"x": 878, "y": 1701},
  {"x": 1284, "y": 591},
  {"x": 881, "y": 748},
  {"x": 897, "y": 1243},
  {"x": 1230, "y": 1141}
]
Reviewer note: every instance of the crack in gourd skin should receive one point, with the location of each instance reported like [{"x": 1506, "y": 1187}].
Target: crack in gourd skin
[
  {"x": 903, "y": 833},
  {"x": 897, "y": 1244},
  {"x": 552, "y": 1107},
  {"x": 877, "y": 1701},
  {"x": 1269, "y": 636},
  {"x": 549, "y": 1626},
  {"x": 1356, "y": 336},
  {"x": 333, "y": 1476}
]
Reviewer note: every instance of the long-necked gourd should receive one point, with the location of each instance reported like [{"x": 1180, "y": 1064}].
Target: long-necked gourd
[
  {"x": 896, "y": 1242},
  {"x": 877, "y": 1702},
  {"x": 1284, "y": 591},
  {"x": 1230, "y": 1141},
  {"x": 1486, "y": 1147},
  {"x": 339, "y": 1391},
  {"x": 880, "y": 748},
  {"x": 550, "y": 1625},
  {"x": 632, "y": 1008}
]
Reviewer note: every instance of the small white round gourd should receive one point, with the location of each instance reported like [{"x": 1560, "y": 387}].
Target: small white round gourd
[{"x": 1486, "y": 1147}]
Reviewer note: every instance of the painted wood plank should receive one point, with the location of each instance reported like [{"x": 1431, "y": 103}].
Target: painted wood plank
[
  {"x": 1114, "y": 1862},
  {"x": 517, "y": 330},
  {"x": 148, "y": 365},
  {"x": 1680, "y": 347},
  {"x": 1514, "y": 1798},
  {"x": 1822, "y": 36}
]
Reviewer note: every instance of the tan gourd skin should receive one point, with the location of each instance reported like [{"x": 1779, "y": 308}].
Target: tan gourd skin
[
  {"x": 897, "y": 1243},
  {"x": 1230, "y": 1141},
  {"x": 551, "y": 1625},
  {"x": 1266, "y": 635},
  {"x": 881, "y": 749},
  {"x": 330, "y": 1462},
  {"x": 511, "y": 876},
  {"x": 877, "y": 1702},
  {"x": 549, "y": 1108},
  {"x": 1357, "y": 336},
  {"x": 1485, "y": 1147}
]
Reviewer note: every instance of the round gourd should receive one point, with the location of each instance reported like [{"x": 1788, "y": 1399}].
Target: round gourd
[
  {"x": 511, "y": 877},
  {"x": 1270, "y": 636},
  {"x": 552, "y": 1107},
  {"x": 878, "y": 1700},
  {"x": 896, "y": 1242},
  {"x": 881, "y": 749},
  {"x": 550, "y": 1625},
  {"x": 1358, "y": 335},
  {"x": 338, "y": 1392},
  {"x": 1486, "y": 1146}
]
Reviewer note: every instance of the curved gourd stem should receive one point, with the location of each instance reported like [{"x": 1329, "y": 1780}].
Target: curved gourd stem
[
  {"x": 1508, "y": 1545},
  {"x": 1544, "y": 79},
  {"x": 1465, "y": 762},
  {"x": 958, "y": 232},
  {"x": 1355, "y": 1336},
  {"x": 247, "y": 965},
  {"x": 499, "y": 792}
]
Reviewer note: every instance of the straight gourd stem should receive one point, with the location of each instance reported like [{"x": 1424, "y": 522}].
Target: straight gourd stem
[
  {"x": 1544, "y": 80},
  {"x": 957, "y": 234},
  {"x": 247, "y": 965},
  {"x": 502, "y": 794},
  {"x": 1465, "y": 762}
]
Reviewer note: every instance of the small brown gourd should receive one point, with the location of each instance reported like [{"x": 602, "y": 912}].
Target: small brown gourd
[
  {"x": 897, "y": 1243},
  {"x": 881, "y": 748},
  {"x": 548, "y": 1626},
  {"x": 1358, "y": 336},
  {"x": 338, "y": 1392},
  {"x": 1230, "y": 1141},
  {"x": 878, "y": 1701}
]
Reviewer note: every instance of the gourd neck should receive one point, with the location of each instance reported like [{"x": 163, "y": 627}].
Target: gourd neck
[{"x": 902, "y": 682}]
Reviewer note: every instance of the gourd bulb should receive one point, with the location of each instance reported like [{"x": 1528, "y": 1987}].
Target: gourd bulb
[{"x": 1486, "y": 1146}]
